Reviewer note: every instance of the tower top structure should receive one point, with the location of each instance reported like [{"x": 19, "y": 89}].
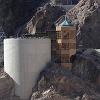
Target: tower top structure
[{"x": 63, "y": 22}]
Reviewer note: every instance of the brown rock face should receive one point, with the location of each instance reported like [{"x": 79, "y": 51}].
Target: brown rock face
[
  {"x": 44, "y": 19},
  {"x": 87, "y": 66},
  {"x": 6, "y": 86},
  {"x": 82, "y": 83},
  {"x": 86, "y": 16},
  {"x": 15, "y": 13},
  {"x": 65, "y": 84}
]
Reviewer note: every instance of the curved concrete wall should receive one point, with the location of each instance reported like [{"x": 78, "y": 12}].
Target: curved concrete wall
[{"x": 23, "y": 61}]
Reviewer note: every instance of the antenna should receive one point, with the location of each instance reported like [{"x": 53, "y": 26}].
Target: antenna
[{"x": 65, "y": 18}]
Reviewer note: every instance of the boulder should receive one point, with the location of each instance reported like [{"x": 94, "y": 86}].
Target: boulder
[
  {"x": 86, "y": 65},
  {"x": 6, "y": 87}
]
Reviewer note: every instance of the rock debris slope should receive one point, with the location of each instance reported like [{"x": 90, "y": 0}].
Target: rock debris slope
[{"x": 81, "y": 83}]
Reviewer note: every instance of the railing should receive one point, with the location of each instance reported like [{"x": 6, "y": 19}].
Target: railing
[{"x": 41, "y": 35}]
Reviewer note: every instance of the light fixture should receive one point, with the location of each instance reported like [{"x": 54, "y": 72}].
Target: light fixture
[{"x": 59, "y": 41}]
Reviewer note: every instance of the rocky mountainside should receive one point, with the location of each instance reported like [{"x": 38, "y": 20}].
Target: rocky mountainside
[
  {"x": 81, "y": 83},
  {"x": 18, "y": 17},
  {"x": 55, "y": 82},
  {"x": 58, "y": 83},
  {"x": 43, "y": 19},
  {"x": 86, "y": 65},
  {"x": 46, "y": 16},
  {"x": 86, "y": 16},
  {"x": 15, "y": 13}
]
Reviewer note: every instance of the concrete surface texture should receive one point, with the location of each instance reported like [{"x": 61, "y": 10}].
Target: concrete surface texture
[{"x": 23, "y": 61}]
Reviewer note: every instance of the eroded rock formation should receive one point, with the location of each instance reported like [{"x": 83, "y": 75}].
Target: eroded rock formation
[
  {"x": 6, "y": 86},
  {"x": 86, "y": 16},
  {"x": 44, "y": 19},
  {"x": 64, "y": 85},
  {"x": 87, "y": 66},
  {"x": 15, "y": 13}
]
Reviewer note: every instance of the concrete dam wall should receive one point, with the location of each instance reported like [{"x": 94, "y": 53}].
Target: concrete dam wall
[{"x": 23, "y": 61}]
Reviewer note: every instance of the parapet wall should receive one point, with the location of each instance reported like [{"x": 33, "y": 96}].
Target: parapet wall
[{"x": 23, "y": 61}]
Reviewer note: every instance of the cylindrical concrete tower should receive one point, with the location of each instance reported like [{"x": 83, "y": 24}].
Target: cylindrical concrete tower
[{"x": 23, "y": 61}]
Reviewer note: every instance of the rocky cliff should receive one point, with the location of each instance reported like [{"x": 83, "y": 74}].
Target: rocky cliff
[
  {"x": 43, "y": 19},
  {"x": 87, "y": 66},
  {"x": 86, "y": 16},
  {"x": 15, "y": 13},
  {"x": 56, "y": 82}
]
